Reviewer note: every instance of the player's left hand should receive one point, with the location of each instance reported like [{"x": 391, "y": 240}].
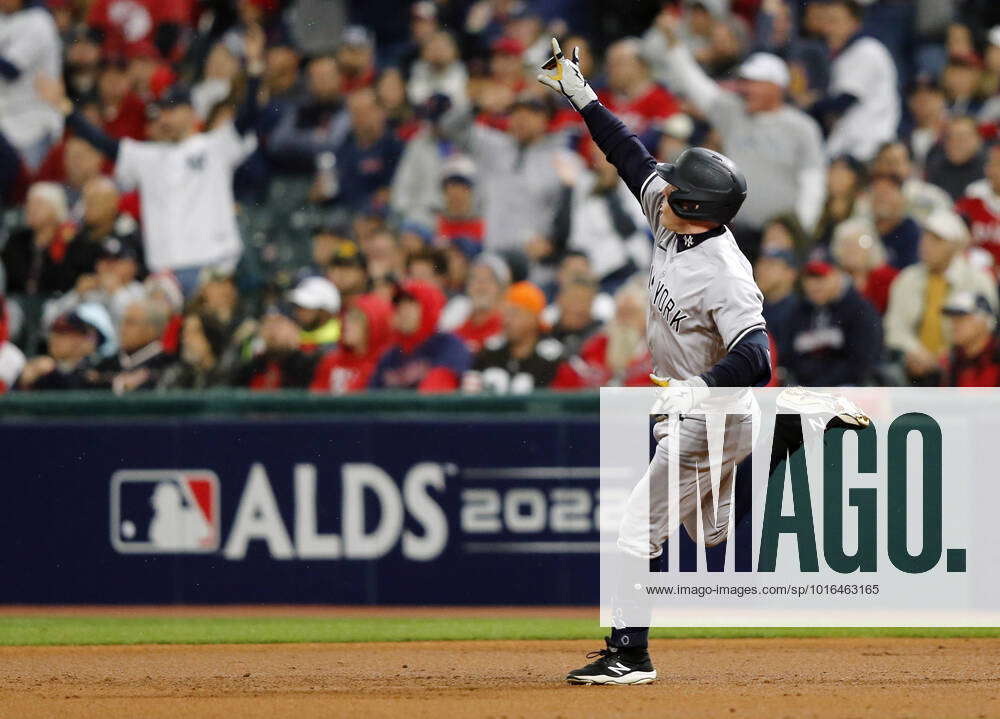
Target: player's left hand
[
  {"x": 679, "y": 396},
  {"x": 563, "y": 75}
]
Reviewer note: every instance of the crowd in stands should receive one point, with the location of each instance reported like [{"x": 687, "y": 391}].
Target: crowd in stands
[{"x": 352, "y": 195}]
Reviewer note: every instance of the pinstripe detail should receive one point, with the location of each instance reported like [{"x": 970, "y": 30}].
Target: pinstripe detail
[{"x": 646, "y": 182}]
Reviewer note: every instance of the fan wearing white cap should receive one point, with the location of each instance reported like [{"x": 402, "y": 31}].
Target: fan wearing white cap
[
  {"x": 974, "y": 360},
  {"x": 316, "y": 303},
  {"x": 779, "y": 147},
  {"x": 916, "y": 330}
]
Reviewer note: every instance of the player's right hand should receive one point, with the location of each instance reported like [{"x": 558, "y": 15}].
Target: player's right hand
[{"x": 564, "y": 76}]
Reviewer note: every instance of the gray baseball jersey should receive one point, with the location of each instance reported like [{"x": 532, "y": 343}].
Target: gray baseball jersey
[
  {"x": 702, "y": 295},
  {"x": 702, "y": 301}
]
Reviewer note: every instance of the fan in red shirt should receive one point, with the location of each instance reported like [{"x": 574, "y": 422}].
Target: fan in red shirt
[
  {"x": 507, "y": 65},
  {"x": 420, "y": 357},
  {"x": 631, "y": 93},
  {"x": 974, "y": 360},
  {"x": 124, "y": 25},
  {"x": 459, "y": 223},
  {"x": 859, "y": 251},
  {"x": 495, "y": 94},
  {"x": 488, "y": 279},
  {"x": 123, "y": 113},
  {"x": 364, "y": 338},
  {"x": 280, "y": 362},
  {"x": 617, "y": 356},
  {"x": 980, "y": 206},
  {"x": 356, "y": 59}
]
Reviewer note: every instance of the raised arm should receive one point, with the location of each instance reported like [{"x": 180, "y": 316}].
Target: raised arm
[
  {"x": 617, "y": 142},
  {"x": 246, "y": 114},
  {"x": 53, "y": 92},
  {"x": 86, "y": 130},
  {"x": 620, "y": 146},
  {"x": 674, "y": 65}
]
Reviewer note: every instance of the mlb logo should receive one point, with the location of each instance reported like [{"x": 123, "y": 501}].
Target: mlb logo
[{"x": 165, "y": 511}]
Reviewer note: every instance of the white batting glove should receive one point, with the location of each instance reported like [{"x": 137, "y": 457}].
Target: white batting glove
[
  {"x": 679, "y": 396},
  {"x": 564, "y": 76}
]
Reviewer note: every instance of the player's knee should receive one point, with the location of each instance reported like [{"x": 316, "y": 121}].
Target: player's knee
[{"x": 638, "y": 548}]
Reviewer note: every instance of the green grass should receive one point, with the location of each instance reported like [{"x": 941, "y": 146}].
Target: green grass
[{"x": 187, "y": 630}]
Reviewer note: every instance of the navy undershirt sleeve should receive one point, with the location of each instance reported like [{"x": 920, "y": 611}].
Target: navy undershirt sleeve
[
  {"x": 748, "y": 364},
  {"x": 166, "y": 36},
  {"x": 835, "y": 105},
  {"x": 83, "y": 129},
  {"x": 620, "y": 146},
  {"x": 8, "y": 70},
  {"x": 246, "y": 115}
]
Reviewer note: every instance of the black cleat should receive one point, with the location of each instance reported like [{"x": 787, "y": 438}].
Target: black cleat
[{"x": 615, "y": 666}]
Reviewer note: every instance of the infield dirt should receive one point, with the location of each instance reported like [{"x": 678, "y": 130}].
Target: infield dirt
[{"x": 769, "y": 678}]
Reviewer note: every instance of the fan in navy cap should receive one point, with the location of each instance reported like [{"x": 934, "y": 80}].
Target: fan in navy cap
[
  {"x": 113, "y": 286},
  {"x": 974, "y": 360},
  {"x": 348, "y": 271},
  {"x": 356, "y": 57},
  {"x": 175, "y": 96},
  {"x": 114, "y": 248},
  {"x": 776, "y": 271},
  {"x": 118, "y": 267},
  {"x": 72, "y": 345}
]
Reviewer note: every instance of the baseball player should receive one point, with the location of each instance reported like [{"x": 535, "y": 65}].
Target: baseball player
[{"x": 704, "y": 329}]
